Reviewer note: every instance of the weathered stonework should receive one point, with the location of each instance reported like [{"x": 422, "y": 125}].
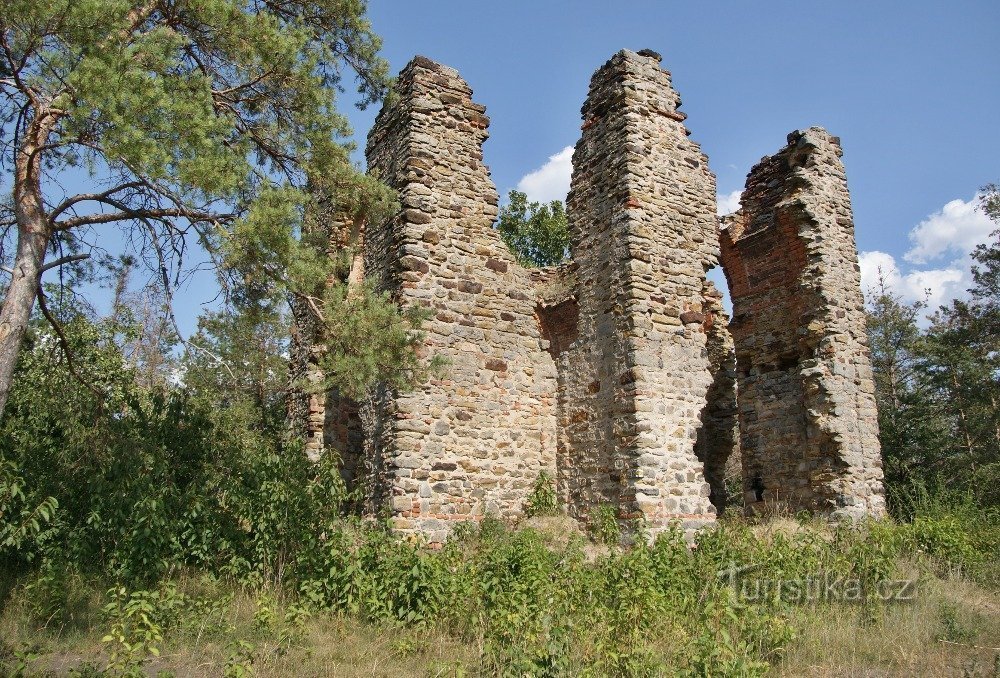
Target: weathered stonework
[
  {"x": 324, "y": 421},
  {"x": 615, "y": 373},
  {"x": 809, "y": 427},
  {"x": 643, "y": 233},
  {"x": 718, "y": 437},
  {"x": 475, "y": 439}
]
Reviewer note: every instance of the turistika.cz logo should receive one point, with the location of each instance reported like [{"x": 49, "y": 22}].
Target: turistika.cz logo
[{"x": 823, "y": 587}]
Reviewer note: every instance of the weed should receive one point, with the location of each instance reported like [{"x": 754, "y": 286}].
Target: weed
[
  {"x": 543, "y": 499},
  {"x": 603, "y": 525}
]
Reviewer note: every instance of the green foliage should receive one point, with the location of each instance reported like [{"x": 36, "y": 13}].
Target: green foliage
[
  {"x": 370, "y": 341},
  {"x": 912, "y": 427},
  {"x": 543, "y": 499},
  {"x": 208, "y": 125},
  {"x": 651, "y": 609},
  {"x": 989, "y": 201},
  {"x": 200, "y": 97},
  {"x": 133, "y": 630},
  {"x": 953, "y": 629},
  {"x": 537, "y": 234},
  {"x": 235, "y": 359},
  {"x": 950, "y": 529},
  {"x": 938, "y": 389},
  {"x": 146, "y": 481},
  {"x": 20, "y": 523},
  {"x": 57, "y": 594},
  {"x": 603, "y": 525}
]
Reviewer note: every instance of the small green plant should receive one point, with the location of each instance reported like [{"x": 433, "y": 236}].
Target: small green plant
[
  {"x": 291, "y": 630},
  {"x": 603, "y": 525},
  {"x": 134, "y": 632},
  {"x": 952, "y": 628},
  {"x": 263, "y": 616},
  {"x": 88, "y": 670},
  {"x": 543, "y": 499},
  {"x": 409, "y": 646},
  {"x": 944, "y": 538},
  {"x": 21, "y": 520},
  {"x": 241, "y": 660},
  {"x": 455, "y": 669},
  {"x": 23, "y": 658},
  {"x": 57, "y": 594}
]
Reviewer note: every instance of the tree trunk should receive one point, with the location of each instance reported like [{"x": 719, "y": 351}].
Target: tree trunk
[
  {"x": 16, "y": 310},
  {"x": 963, "y": 422},
  {"x": 33, "y": 235}
]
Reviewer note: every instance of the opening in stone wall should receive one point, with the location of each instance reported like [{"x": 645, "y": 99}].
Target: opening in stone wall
[
  {"x": 717, "y": 445},
  {"x": 558, "y": 324},
  {"x": 344, "y": 435}
]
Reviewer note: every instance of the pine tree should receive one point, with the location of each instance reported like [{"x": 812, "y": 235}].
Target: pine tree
[{"x": 195, "y": 124}]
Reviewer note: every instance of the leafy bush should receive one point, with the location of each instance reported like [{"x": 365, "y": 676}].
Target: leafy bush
[
  {"x": 131, "y": 481},
  {"x": 543, "y": 499},
  {"x": 603, "y": 525}
]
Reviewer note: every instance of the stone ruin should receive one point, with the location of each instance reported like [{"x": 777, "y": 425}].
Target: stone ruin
[{"x": 618, "y": 372}]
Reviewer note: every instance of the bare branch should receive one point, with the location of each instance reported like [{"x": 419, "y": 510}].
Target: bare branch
[
  {"x": 139, "y": 214},
  {"x": 245, "y": 85},
  {"x": 169, "y": 306},
  {"x": 85, "y": 197},
  {"x": 311, "y": 301},
  {"x": 15, "y": 70},
  {"x": 63, "y": 260},
  {"x": 64, "y": 343}
]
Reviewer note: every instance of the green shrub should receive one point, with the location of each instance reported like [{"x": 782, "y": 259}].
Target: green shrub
[
  {"x": 603, "y": 525},
  {"x": 543, "y": 499}
]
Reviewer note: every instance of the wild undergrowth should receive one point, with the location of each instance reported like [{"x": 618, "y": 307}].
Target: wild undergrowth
[
  {"x": 175, "y": 531},
  {"x": 739, "y": 601}
]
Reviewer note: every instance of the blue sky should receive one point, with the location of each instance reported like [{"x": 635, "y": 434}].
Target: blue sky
[{"x": 912, "y": 89}]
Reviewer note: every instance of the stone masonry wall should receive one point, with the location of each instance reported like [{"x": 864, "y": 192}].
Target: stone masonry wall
[
  {"x": 643, "y": 233},
  {"x": 475, "y": 438},
  {"x": 616, "y": 372},
  {"x": 324, "y": 420},
  {"x": 808, "y": 423}
]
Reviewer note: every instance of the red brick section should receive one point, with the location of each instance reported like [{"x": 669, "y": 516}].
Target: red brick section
[{"x": 808, "y": 425}]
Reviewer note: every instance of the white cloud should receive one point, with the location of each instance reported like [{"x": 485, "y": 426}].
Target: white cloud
[
  {"x": 956, "y": 228},
  {"x": 936, "y": 286},
  {"x": 939, "y": 264},
  {"x": 729, "y": 203},
  {"x": 939, "y": 267},
  {"x": 551, "y": 180}
]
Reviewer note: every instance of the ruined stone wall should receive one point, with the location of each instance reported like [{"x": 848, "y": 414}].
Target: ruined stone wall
[
  {"x": 616, "y": 371},
  {"x": 323, "y": 419},
  {"x": 643, "y": 233},
  {"x": 809, "y": 431},
  {"x": 473, "y": 439}
]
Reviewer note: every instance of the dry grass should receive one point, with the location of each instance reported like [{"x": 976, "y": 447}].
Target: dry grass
[
  {"x": 952, "y": 628},
  {"x": 789, "y": 527},
  {"x": 324, "y": 645}
]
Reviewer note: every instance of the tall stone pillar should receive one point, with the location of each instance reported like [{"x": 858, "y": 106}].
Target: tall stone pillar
[
  {"x": 809, "y": 427},
  {"x": 474, "y": 439},
  {"x": 643, "y": 228},
  {"x": 323, "y": 419}
]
